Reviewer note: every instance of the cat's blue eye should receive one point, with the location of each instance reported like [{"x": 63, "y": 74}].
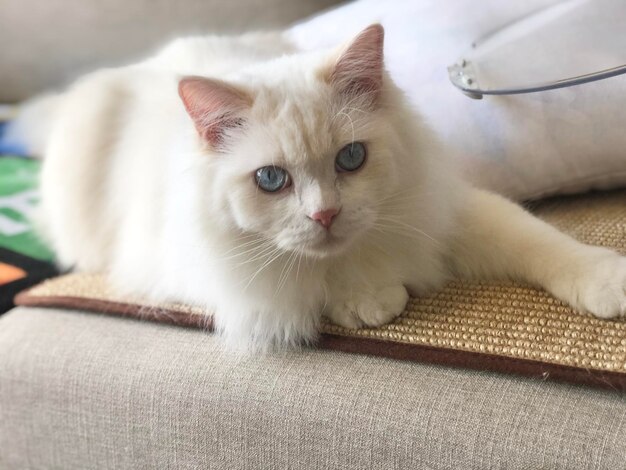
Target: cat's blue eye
[
  {"x": 272, "y": 178},
  {"x": 351, "y": 157}
]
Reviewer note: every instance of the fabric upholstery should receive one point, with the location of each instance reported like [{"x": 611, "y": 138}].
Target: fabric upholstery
[
  {"x": 81, "y": 391},
  {"x": 47, "y": 44}
]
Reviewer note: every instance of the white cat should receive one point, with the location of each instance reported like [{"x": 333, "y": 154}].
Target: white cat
[{"x": 271, "y": 186}]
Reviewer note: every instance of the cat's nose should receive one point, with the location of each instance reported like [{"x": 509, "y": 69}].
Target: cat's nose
[{"x": 325, "y": 217}]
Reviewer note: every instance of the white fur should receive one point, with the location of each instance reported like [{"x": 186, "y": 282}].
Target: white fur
[{"x": 130, "y": 189}]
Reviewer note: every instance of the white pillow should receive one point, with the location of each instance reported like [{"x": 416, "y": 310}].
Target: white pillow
[{"x": 523, "y": 146}]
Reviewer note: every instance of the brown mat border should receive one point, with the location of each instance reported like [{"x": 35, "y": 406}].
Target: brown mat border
[
  {"x": 356, "y": 345},
  {"x": 120, "y": 309}
]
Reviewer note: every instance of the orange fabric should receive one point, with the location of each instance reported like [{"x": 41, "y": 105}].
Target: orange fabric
[{"x": 9, "y": 273}]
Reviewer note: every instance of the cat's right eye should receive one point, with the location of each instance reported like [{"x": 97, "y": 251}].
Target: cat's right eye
[{"x": 272, "y": 178}]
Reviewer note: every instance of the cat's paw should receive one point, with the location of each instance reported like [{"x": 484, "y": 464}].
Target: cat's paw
[
  {"x": 600, "y": 287},
  {"x": 365, "y": 309}
]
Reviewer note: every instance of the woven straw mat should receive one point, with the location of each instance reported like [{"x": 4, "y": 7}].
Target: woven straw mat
[{"x": 491, "y": 325}]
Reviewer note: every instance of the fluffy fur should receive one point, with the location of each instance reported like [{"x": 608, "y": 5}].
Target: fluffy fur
[{"x": 148, "y": 176}]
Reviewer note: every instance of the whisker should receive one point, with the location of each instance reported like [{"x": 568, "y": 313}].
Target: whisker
[
  {"x": 405, "y": 226},
  {"x": 265, "y": 265}
]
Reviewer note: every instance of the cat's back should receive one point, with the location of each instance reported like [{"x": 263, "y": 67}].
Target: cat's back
[
  {"x": 104, "y": 153},
  {"x": 216, "y": 56}
]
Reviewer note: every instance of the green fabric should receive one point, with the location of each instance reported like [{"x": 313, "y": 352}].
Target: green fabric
[{"x": 18, "y": 196}]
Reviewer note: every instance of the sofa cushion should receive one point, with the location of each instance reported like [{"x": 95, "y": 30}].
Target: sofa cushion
[{"x": 82, "y": 391}]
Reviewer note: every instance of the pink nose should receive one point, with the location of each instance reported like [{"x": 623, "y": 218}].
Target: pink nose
[{"x": 325, "y": 217}]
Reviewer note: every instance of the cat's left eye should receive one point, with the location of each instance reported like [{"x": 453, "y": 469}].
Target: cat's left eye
[
  {"x": 351, "y": 157},
  {"x": 272, "y": 178}
]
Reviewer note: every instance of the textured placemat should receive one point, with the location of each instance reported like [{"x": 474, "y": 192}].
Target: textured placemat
[{"x": 505, "y": 327}]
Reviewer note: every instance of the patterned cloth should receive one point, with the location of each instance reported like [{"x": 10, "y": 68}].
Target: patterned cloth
[{"x": 24, "y": 259}]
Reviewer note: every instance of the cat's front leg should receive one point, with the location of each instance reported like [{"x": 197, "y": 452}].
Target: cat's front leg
[
  {"x": 498, "y": 239},
  {"x": 360, "y": 294}
]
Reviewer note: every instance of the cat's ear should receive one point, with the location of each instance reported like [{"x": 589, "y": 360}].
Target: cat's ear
[
  {"x": 214, "y": 106},
  {"x": 359, "y": 68}
]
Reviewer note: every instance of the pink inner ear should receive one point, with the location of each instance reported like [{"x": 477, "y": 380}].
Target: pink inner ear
[
  {"x": 214, "y": 106},
  {"x": 359, "y": 69}
]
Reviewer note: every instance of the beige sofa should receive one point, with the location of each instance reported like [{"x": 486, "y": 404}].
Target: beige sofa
[
  {"x": 86, "y": 391},
  {"x": 48, "y": 43}
]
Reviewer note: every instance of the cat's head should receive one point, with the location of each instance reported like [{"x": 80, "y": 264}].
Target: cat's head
[{"x": 300, "y": 148}]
